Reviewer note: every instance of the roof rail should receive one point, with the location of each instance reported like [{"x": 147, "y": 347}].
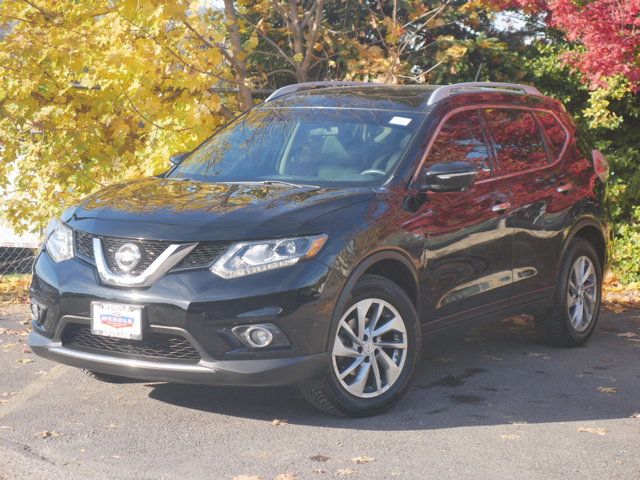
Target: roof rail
[
  {"x": 297, "y": 87},
  {"x": 446, "y": 90}
]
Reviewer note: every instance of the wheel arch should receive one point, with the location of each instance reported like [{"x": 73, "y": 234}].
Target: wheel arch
[
  {"x": 591, "y": 230},
  {"x": 390, "y": 263}
]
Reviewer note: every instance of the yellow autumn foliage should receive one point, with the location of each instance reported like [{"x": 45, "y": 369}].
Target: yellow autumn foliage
[{"x": 96, "y": 91}]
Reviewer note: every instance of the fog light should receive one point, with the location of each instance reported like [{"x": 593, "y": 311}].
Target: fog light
[
  {"x": 260, "y": 335},
  {"x": 38, "y": 313}
]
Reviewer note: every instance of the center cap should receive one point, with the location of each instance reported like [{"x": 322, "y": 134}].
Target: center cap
[
  {"x": 128, "y": 256},
  {"x": 368, "y": 347}
]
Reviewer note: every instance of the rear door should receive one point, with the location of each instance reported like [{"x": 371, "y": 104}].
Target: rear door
[
  {"x": 528, "y": 165},
  {"x": 468, "y": 265}
]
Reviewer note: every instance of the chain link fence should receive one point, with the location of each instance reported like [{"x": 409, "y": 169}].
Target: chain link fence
[{"x": 17, "y": 252}]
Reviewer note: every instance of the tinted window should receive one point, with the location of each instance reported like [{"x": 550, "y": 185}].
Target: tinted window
[
  {"x": 461, "y": 139},
  {"x": 556, "y": 135},
  {"x": 517, "y": 138}
]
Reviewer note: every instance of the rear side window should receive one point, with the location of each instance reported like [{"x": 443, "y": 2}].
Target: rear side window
[
  {"x": 556, "y": 135},
  {"x": 517, "y": 138},
  {"x": 462, "y": 139}
]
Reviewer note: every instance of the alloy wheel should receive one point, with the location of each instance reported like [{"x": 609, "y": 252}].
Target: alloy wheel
[
  {"x": 582, "y": 293},
  {"x": 370, "y": 348}
]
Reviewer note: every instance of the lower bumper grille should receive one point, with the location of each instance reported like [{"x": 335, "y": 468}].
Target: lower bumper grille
[{"x": 156, "y": 345}]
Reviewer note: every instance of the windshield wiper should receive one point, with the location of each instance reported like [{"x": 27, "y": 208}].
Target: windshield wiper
[{"x": 273, "y": 182}]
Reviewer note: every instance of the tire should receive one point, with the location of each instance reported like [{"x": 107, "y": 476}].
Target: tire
[
  {"x": 374, "y": 385},
  {"x": 107, "y": 378},
  {"x": 556, "y": 326}
]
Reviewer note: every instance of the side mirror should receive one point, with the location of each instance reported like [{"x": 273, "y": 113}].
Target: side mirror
[
  {"x": 178, "y": 157},
  {"x": 448, "y": 177}
]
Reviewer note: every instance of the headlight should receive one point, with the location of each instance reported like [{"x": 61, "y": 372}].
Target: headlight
[
  {"x": 246, "y": 258},
  {"x": 59, "y": 241}
]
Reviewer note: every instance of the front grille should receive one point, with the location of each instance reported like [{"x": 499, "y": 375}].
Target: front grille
[
  {"x": 84, "y": 245},
  {"x": 156, "y": 345},
  {"x": 202, "y": 256},
  {"x": 150, "y": 250}
]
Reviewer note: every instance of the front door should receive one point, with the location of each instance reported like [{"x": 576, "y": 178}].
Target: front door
[{"x": 468, "y": 243}]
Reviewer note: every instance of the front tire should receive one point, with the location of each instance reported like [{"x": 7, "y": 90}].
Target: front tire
[
  {"x": 574, "y": 316},
  {"x": 375, "y": 345}
]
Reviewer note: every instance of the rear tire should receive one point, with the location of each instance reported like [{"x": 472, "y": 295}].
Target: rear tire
[
  {"x": 574, "y": 315},
  {"x": 375, "y": 345}
]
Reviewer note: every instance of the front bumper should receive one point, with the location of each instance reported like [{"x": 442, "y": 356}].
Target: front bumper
[
  {"x": 201, "y": 309},
  {"x": 269, "y": 372}
]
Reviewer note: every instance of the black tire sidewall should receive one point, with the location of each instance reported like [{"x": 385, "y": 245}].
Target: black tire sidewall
[{"x": 377, "y": 287}]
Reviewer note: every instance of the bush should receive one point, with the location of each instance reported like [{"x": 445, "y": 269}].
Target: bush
[{"x": 625, "y": 253}]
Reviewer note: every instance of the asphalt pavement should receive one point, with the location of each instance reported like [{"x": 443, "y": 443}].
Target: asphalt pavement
[{"x": 491, "y": 403}]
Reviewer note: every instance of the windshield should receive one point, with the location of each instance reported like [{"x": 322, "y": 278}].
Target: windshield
[{"x": 319, "y": 146}]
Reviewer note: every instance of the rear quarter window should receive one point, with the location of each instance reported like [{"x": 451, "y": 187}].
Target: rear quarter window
[
  {"x": 517, "y": 139},
  {"x": 554, "y": 131}
]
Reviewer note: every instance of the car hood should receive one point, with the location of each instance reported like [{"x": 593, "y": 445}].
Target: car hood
[{"x": 179, "y": 210}]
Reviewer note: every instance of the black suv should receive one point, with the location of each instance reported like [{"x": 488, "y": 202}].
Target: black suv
[{"x": 316, "y": 238}]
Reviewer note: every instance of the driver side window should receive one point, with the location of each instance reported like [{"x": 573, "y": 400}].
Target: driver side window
[{"x": 462, "y": 139}]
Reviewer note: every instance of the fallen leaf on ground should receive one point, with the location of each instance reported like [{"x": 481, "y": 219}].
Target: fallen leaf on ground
[
  {"x": 595, "y": 431},
  {"x": 636, "y": 415},
  {"x": 279, "y": 421},
  {"x": 510, "y": 436},
  {"x": 286, "y": 476},
  {"x": 48, "y": 434},
  {"x": 628, "y": 334},
  {"x": 363, "y": 460},
  {"x": 519, "y": 320},
  {"x": 615, "y": 308},
  {"x": 26, "y": 349},
  {"x": 319, "y": 458},
  {"x": 344, "y": 472},
  {"x": 24, "y": 360},
  {"x": 607, "y": 389}
]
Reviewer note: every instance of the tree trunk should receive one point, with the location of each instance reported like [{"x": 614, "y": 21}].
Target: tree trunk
[{"x": 239, "y": 63}]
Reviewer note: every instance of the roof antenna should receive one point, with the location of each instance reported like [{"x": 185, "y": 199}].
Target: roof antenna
[{"x": 478, "y": 72}]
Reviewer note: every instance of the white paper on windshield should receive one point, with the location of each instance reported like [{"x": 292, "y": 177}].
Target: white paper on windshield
[{"x": 404, "y": 121}]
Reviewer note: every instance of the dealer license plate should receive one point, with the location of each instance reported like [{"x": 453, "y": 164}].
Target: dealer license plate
[{"x": 117, "y": 320}]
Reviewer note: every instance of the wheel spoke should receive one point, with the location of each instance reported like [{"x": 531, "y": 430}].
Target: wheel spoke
[
  {"x": 392, "y": 344},
  {"x": 363, "y": 309},
  {"x": 373, "y": 322},
  {"x": 391, "y": 370},
  {"x": 349, "y": 331},
  {"x": 376, "y": 373},
  {"x": 361, "y": 379},
  {"x": 347, "y": 371},
  {"x": 342, "y": 350},
  {"x": 573, "y": 289},
  {"x": 394, "y": 324},
  {"x": 588, "y": 307},
  {"x": 589, "y": 272}
]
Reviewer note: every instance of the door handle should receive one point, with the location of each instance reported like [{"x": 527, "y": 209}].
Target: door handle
[
  {"x": 501, "y": 207},
  {"x": 564, "y": 188}
]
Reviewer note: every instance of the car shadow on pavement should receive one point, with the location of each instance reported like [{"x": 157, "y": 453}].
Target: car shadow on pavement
[{"x": 495, "y": 375}]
